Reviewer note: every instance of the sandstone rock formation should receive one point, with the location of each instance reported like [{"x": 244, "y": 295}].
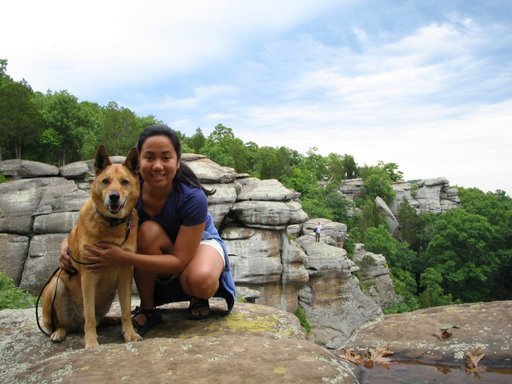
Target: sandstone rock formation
[
  {"x": 411, "y": 336},
  {"x": 269, "y": 236},
  {"x": 253, "y": 344},
  {"x": 428, "y": 195}
]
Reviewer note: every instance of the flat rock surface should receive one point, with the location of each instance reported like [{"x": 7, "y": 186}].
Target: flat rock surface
[
  {"x": 411, "y": 335},
  {"x": 253, "y": 344}
]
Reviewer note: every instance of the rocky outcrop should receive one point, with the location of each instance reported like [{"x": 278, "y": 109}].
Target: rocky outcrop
[
  {"x": 269, "y": 236},
  {"x": 374, "y": 278},
  {"x": 411, "y": 336},
  {"x": 428, "y": 195},
  {"x": 331, "y": 298},
  {"x": 251, "y": 345}
]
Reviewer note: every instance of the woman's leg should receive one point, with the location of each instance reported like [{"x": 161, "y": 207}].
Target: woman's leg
[
  {"x": 152, "y": 240},
  {"x": 201, "y": 277}
]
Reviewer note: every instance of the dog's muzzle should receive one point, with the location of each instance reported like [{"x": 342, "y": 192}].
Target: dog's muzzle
[{"x": 114, "y": 203}]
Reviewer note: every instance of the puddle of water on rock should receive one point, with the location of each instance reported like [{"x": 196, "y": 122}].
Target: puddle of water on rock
[{"x": 418, "y": 373}]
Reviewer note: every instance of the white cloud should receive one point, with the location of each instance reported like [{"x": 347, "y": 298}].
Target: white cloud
[
  {"x": 435, "y": 99},
  {"x": 100, "y": 44}
]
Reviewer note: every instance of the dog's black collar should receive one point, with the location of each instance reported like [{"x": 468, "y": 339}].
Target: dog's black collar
[{"x": 113, "y": 221}]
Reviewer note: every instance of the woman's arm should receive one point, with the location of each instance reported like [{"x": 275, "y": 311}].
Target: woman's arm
[{"x": 104, "y": 255}]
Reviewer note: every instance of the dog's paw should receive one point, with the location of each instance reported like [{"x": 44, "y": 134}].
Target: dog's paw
[
  {"x": 91, "y": 345},
  {"x": 58, "y": 335},
  {"x": 131, "y": 336},
  {"x": 91, "y": 341}
]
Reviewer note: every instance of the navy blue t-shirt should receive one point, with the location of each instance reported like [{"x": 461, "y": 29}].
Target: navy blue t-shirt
[{"x": 188, "y": 205}]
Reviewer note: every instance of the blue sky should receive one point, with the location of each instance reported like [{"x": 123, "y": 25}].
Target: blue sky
[{"x": 425, "y": 84}]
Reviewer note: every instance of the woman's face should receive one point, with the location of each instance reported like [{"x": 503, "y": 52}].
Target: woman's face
[{"x": 158, "y": 161}]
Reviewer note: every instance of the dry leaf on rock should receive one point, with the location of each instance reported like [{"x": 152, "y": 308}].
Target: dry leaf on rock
[
  {"x": 442, "y": 334},
  {"x": 350, "y": 355},
  {"x": 473, "y": 357},
  {"x": 378, "y": 355}
]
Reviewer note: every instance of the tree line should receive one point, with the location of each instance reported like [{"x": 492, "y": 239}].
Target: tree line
[{"x": 463, "y": 255}]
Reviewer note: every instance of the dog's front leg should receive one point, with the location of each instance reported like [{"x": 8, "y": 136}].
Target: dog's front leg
[
  {"x": 89, "y": 281},
  {"x": 124, "y": 290}
]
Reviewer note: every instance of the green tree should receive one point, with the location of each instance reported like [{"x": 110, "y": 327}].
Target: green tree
[
  {"x": 405, "y": 287},
  {"x": 335, "y": 168},
  {"x": 120, "y": 130},
  {"x": 60, "y": 113},
  {"x": 350, "y": 167},
  {"x": 218, "y": 145},
  {"x": 432, "y": 294},
  {"x": 90, "y": 120},
  {"x": 378, "y": 181},
  {"x": 460, "y": 250},
  {"x": 497, "y": 209},
  {"x": 197, "y": 141},
  {"x": 411, "y": 226},
  {"x": 397, "y": 253},
  {"x": 338, "y": 205},
  {"x": 21, "y": 123}
]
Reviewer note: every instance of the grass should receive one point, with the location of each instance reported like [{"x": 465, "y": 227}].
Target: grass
[
  {"x": 12, "y": 297},
  {"x": 301, "y": 315}
]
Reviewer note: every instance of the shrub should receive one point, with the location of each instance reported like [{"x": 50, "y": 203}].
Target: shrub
[
  {"x": 13, "y": 297},
  {"x": 301, "y": 315}
]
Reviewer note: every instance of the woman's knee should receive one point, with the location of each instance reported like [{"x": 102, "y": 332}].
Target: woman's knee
[
  {"x": 151, "y": 237},
  {"x": 200, "y": 282}
]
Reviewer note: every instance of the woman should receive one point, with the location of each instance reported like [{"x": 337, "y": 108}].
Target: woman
[{"x": 180, "y": 254}]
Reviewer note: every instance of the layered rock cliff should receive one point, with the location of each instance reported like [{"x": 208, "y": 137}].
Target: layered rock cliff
[{"x": 269, "y": 236}]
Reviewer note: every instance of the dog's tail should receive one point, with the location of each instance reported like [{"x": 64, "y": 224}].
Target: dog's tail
[{"x": 58, "y": 270}]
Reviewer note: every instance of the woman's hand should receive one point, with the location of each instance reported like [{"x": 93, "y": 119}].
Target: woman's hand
[
  {"x": 102, "y": 255},
  {"x": 64, "y": 259}
]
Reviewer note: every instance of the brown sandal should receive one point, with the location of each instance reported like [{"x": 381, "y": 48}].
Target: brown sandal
[
  {"x": 153, "y": 317},
  {"x": 199, "y": 309}
]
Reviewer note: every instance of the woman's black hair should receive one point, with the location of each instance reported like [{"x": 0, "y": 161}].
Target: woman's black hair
[{"x": 184, "y": 173}]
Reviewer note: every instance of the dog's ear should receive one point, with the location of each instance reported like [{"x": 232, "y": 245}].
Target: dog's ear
[
  {"x": 101, "y": 159},
  {"x": 132, "y": 161}
]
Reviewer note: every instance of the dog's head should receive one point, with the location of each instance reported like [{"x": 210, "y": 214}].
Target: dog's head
[{"x": 115, "y": 189}]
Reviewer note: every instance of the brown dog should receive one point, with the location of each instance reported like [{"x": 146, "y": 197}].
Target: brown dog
[{"x": 75, "y": 300}]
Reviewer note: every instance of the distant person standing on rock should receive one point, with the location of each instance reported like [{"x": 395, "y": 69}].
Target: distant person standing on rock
[{"x": 318, "y": 230}]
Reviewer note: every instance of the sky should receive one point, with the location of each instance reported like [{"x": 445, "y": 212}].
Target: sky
[{"x": 424, "y": 84}]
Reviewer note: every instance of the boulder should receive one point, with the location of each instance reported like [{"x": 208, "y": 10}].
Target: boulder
[
  {"x": 20, "y": 200},
  {"x": 412, "y": 335},
  {"x": 266, "y": 190},
  {"x": 391, "y": 221},
  {"x": 76, "y": 170},
  {"x": 13, "y": 251},
  {"x": 332, "y": 299},
  {"x": 333, "y": 233},
  {"x": 209, "y": 172},
  {"x": 374, "y": 278},
  {"x": 269, "y": 214},
  {"x": 254, "y": 254},
  {"x": 16, "y": 168},
  {"x": 220, "y": 349}
]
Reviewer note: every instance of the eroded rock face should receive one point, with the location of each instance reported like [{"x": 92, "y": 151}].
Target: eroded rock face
[
  {"x": 374, "y": 278},
  {"x": 428, "y": 195},
  {"x": 332, "y": 298},
  {"x": 269, "y": 237}
]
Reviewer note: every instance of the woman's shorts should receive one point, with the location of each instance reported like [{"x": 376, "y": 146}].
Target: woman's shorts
[
  {"x": 215, "y": 245},
  {"x": 168, "y": 288}
]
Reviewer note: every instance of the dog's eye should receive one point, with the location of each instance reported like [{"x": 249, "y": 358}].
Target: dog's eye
[
  {"x": 125, "y": 182},
  {"x": 105, "y": 181}
]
